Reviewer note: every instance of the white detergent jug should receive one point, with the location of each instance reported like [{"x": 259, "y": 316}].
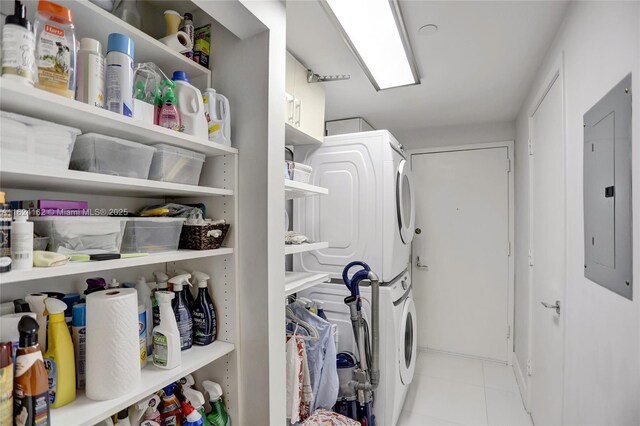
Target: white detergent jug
[
  {"x": 218, "y": 116},
  {"x": 190, "y": 106}
]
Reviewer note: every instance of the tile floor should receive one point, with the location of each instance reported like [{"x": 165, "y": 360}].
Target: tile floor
[{"x": 452, "y": 390}]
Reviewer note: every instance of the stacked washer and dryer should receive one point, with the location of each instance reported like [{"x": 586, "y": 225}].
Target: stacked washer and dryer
[{"x": 368, "y": 215}]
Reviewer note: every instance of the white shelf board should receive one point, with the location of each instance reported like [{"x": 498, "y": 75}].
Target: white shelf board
[
  {"x": 293, "y": 189},
  {"x": 41, "y": 104},
  {"x": 74, "y": 181},
  {"x": 298, "y": 281},
  {"x": 301, "y": 248},
  {"x": 84, "y": 411},
  {"x": 295, "y": 136},
  {"x": 94, "y": 22},
  {"x": 73, "y": 268}
]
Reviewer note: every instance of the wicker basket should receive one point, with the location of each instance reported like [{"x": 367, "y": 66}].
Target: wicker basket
[{"x": 198, "y": 237}]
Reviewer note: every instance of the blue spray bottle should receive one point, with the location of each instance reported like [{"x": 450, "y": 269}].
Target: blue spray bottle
[
  {"x": 204, "y": 313},
  {"x": 181, "y": 311}
]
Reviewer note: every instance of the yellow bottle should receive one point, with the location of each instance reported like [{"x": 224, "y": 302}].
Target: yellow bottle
[{"x": 59, "y": 359}]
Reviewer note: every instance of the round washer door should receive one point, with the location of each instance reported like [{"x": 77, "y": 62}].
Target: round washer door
[
  {"x": 405, "y": 202},
  {"x": 408, "y": 341}
]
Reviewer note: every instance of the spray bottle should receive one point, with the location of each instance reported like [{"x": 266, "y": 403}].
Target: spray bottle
[
  {"x": 161, "y": 285},
  {"x": 36, "y": 304},
  {"x": 188, "y": 296},
  {"x": 204, "y": 313},
  {"x": 59, "y": 359},
  {"x": 169, "y": 116},
  {"x": 166, "y": 336},
  {"x": 191, "y": 415},
  {"x": 147, "y": 409},
  {"x": 181, "y": 310},
  {"x": 196, "y": 399},
  {"x": 170, "y": 408},
  {"x": 218, "y": 415},
  {"x": 144, "y": 297}
]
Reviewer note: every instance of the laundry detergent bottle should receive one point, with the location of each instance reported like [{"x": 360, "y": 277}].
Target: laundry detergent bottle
[
  {"x": 59, "y": 360},
  {"x": 218, "y": 415},
  {"x": 204, "y": 313},
  {"x": 166, "y": 336},
  {"x": 191, "y": 106},
  {"x": 218, "y": 115},
  {"x": 181, "y": 310}
]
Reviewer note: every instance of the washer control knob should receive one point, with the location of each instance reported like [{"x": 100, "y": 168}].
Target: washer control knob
[{"x": 404, "y": 284}]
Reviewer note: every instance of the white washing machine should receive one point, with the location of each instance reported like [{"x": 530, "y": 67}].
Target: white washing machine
[
  {"x": 398, "y": 338},
  {"x": 369, "y": 213}
]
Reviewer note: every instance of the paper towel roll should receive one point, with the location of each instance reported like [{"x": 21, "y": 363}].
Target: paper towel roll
[
  {"x": 113, "y": 350},
  {"x": 180, "y": 42}
]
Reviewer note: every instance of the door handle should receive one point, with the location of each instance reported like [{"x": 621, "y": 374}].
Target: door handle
[
  {"x": 420, "y": 265},
  {"x": 290, "y": 110},
  {"x": 550, "y": 306}
]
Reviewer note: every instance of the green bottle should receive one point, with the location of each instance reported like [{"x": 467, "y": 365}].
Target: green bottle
[{"x": 218, "y": 415}]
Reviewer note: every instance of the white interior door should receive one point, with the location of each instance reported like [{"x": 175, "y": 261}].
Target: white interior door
[
  {"x": 462, "y": 210},
  {"x": 548, "y": 257}
]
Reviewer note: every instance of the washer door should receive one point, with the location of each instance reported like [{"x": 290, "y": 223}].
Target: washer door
[
  {"x": 405, "y": 202},
  {"x": 408, "y": 341}
]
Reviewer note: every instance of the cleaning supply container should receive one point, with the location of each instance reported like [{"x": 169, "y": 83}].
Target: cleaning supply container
[
  {"x": 152, "y": 234},
  {"x": 218, "y": 115},
  {"x": 90, "y": 88},
  {"x": 172, "y": 164},
  {"x": 79, "y": 331},
  {"x": 55, "y": 49},
  {"x": 191, "y": 106},
  {"x": 29, "y": 142},
  {"x": 218, "y": 415},
  {"x": 166, "y": 336},
  {"x": 59, "y": 360},
  {"x": 111, "y": 156},
  {"x": 119, "y": 74},
  {"x": 81, "y": 234},
  {"x": 205, "y": 325},
  {"x": 18, "y": 47},
  {"x": 21, "y": 241},
  {"x": 181, "y": 310}
]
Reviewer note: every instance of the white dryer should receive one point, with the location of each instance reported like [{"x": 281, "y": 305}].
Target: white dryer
[
  {"x": 398, "y": 337},
  {"x": 369, "y": 213}
]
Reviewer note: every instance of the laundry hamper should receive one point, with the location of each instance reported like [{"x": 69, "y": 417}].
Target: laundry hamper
[{"x": 203, "y": 237}]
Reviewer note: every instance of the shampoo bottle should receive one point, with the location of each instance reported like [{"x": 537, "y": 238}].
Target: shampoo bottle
[
  {"x": 144, "y": 297},
  {"x": 166, "y": 336},
  {"x": 204, "y": 313},
  {"x": 21, "y": 241},
  {"x": 181, "y": 310},
  {"x": 161, "y": 285},
  {"x": 30, "y": 386},
  {"x": 59, "y": 359},
  {"x": 218, "y": 415}
]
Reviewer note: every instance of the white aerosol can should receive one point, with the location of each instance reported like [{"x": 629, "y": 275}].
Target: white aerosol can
[{"x": 119, "y": 81}]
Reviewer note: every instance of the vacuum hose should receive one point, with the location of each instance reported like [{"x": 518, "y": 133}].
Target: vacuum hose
[{"x": 375, "y": 329}]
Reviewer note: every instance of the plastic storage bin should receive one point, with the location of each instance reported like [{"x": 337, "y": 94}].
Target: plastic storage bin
[
  {"x": 81, "y": 234},
  {"x": 299, "y": 172},
  {"x": 35, "y": 143},
  {"x": 111, "y": 156},
  {"x": 152, "y": 234},
  {"x": 171, "y": 164}
]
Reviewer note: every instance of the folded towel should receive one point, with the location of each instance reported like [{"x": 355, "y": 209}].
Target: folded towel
[{"x": 48, "y": 258}]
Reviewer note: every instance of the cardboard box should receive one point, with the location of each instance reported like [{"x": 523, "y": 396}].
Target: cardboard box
[{"x": 202, "y": 45}]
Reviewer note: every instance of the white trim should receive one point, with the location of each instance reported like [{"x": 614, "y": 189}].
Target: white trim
[
  {"x": 521, "y": 381},
  {"x": 511, "y": 155},
  {"x": 555, "y": 74}
]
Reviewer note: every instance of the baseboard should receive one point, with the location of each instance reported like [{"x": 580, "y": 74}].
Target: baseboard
[{"x": 522, "y": 383}]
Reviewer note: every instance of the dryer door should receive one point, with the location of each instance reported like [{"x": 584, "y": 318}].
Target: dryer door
[
  {"x": 408, "y": 341},
  {"x": 405, "y": 202}
]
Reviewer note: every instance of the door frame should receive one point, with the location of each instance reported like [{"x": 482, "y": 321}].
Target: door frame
[
  {"x": 555, "y": 74},
  {"x": 511, "y": 273}
]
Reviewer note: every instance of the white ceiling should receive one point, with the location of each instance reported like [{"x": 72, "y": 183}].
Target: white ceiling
[{"x": 476, "y": 69}]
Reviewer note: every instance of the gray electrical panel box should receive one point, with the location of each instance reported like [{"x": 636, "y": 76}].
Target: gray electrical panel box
[{"x": 607, "y": 191}]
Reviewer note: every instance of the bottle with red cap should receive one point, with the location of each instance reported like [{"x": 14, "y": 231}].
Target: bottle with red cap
[
  {"x": 191, "y": 415},
  {"x": 55, "y": 49}
]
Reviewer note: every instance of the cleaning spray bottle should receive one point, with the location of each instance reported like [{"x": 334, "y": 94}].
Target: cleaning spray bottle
[
  {"x": 59, "y": 360},
  {"x": 36, "y": 304},
  {"x": 161, "y": 285},
  {"x": 147, "y": 409},
  {"x": 191, "y": 415},
  {"x": 166, "y": 336},
  {"x": 204, "y": 313},
  {"x": 181, "y": 310},
  {"x": 196, "y": 399},
  {"x": 169, "y": 116},
  {"x": 144, "y": 297},
  {"x": 188, "y": 296},
  {"x": 170, "y": 408},
  {"x": 30, "y": 385},
  {"x": 218, "y": 415}
]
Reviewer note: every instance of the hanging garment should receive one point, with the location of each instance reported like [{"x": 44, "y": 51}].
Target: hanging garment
[
  {"x": 307, "y": 392},
  {"x": 294, "y": 380},
  {"x": 329, "y": 418},
  {"x": 321, "y": 356}
]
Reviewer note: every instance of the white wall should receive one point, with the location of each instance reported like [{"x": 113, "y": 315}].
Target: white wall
[
  {"x": 601, "y": 44},
  {"x": 455, "y": 135}
]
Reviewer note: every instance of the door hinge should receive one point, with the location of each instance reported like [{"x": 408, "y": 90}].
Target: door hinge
[
  {"x": 530, "y": 144},
  {"x": 509, "y": 248},
  {"x": 529, "y": 368},
  {"x": 508, "y": 332},
  {"x": 530, "y": 258}
]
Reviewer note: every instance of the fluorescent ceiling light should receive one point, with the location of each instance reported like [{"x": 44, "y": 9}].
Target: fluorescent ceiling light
[{"x": 375, "y": 33}]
